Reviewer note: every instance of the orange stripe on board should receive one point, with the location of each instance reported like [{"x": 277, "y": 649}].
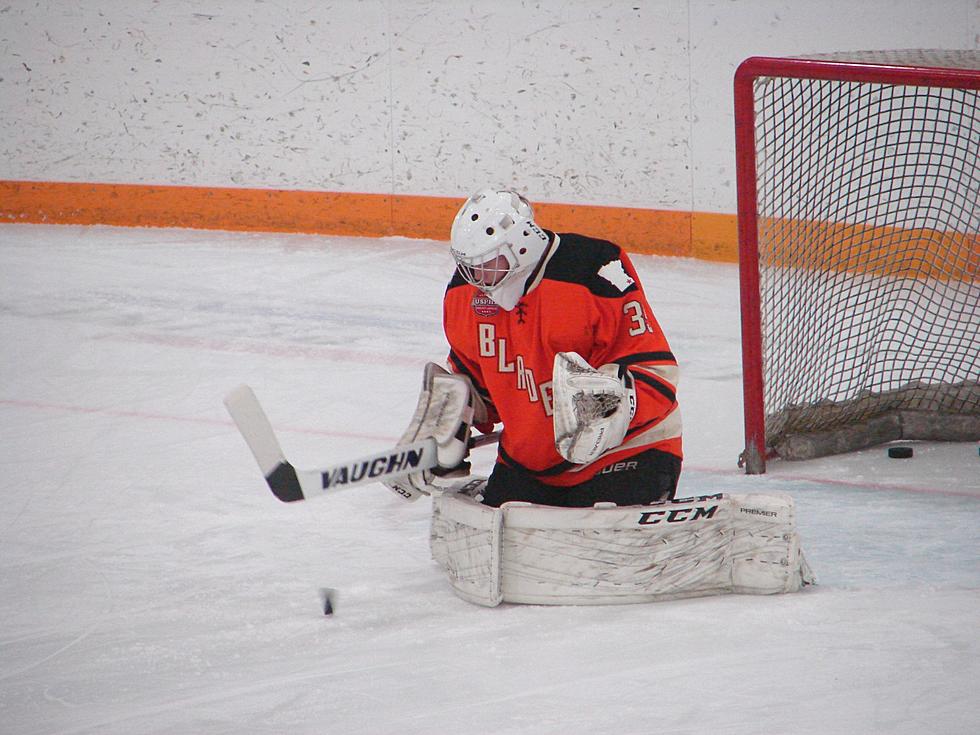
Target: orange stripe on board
[
  {"x": 878, "y": 250},
  {"x": 651, "y": 231}
]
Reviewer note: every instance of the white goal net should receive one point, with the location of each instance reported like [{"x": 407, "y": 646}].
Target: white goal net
[{"x": 860, "y": 260}]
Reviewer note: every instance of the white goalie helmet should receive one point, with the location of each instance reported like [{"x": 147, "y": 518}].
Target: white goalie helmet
[{"x": 496, "y": 244}]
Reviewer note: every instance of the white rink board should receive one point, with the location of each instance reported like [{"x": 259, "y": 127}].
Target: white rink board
[{"x": 601, "y": 102}]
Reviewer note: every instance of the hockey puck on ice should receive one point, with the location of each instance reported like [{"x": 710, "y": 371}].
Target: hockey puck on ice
[
  {"x": 328, "y": 598},
  {"x": 899, "y": 452}
]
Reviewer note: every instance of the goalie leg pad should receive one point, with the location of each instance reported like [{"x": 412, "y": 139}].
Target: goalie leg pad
[
  {"x": 585, "y": 556},
  {"x": 465, "y": 540}
]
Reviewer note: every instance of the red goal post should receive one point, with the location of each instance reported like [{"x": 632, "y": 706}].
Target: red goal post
[{"x": 858, "y": 217}]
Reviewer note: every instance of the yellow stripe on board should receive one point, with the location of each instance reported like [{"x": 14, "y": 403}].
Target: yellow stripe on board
[{"x": 649, "y": 231}]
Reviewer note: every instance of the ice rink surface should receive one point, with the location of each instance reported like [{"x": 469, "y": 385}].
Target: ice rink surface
[{"x": 150, "y": 583}]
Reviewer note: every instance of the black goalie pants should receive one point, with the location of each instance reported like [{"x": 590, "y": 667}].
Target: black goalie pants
[{"x": 642, "y": 479}]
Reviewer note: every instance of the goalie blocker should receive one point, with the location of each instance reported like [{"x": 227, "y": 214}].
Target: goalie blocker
[
  {"x": 446, "y": 411},
  {"x": 709, "y": 545}
]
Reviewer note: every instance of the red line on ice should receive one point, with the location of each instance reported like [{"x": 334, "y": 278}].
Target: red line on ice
[{"x": 848, "y": 483}]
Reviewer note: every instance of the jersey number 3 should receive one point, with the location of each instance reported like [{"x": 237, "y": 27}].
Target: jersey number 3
[{"x": 634, "y": 310}]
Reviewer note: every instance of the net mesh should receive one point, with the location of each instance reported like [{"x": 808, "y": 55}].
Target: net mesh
[{"x": 869, "y": 259}]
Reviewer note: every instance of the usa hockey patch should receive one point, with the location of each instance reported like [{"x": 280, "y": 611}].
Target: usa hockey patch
[{"x": 485, "y": 306}]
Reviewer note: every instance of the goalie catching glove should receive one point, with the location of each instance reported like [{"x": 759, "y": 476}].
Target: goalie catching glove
[
  {"x": 592, "y": 407},
  {"x": 447, "y": 409}
]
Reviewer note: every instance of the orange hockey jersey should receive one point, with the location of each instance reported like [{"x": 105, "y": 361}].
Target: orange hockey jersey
[{"x": 585, "y": 298}]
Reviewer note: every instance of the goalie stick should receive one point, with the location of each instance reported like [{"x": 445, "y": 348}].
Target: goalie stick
[{"x": 290, "y": 484}]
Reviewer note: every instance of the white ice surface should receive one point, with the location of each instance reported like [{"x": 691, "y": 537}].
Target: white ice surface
[{"x": 150, "y": 583}]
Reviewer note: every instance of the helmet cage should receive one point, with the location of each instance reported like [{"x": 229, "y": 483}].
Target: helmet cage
[{"x": 490, "y": 269}]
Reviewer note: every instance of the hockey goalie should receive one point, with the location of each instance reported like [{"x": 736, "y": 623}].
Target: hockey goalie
[{"x": 551, "y": 336}]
